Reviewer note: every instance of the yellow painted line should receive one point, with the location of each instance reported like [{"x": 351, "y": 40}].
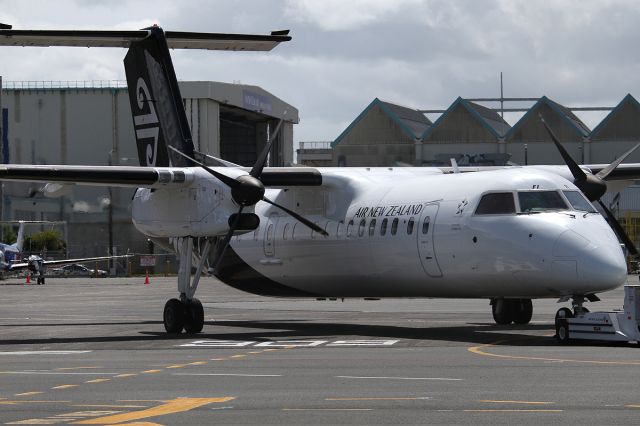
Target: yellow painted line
[
  {"x": 98, "y": 380},
  {"x": 198, "y": 363},
  {"x": 151, "y": 371},
  {"x": 269, "y": 350},
  {"x": 126, "y": 375},
  {"x": 479, "y": 350},
  {"x": 517, "y": 402},
  {"x": 513, "y": 411},
  {"x": 3, "y": 402},
  {"x": 390, "y": 398},
  {"x": 218, "y": 359},
  {"x": 173, "y": 406},
  {"x": 290, "y": 347},
  {"x": 76, "y": 368},
  {"x": 237, "y": 356},
  {"x": 28, "y": 393},
  {"x": 176, "y": 366},
  {"x": 255, "y": 352},
  {"x": 65, "y": 386},
  {"x": 632, "y": 406}
]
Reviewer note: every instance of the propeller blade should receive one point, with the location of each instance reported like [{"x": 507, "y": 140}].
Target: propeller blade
[
  {"x": 229, "y": 181},
  {"x": 602, "y": 174},
  {"x": 227, "y": 239},
  {"x": 256, "y": 170},
  {"x": 299, "y": 218},
  {"x": 619, "y": 230},
  {"x": 576, "y": 171}
]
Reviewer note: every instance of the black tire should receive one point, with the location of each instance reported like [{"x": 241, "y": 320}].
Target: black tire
[
  {"x": 174, "y": 316},
  {"x": 194, "y": 316},
  {"x": 502, "y": 311},
  {"x": 562, "y": 331},
  {"x": 564, "y": 313},
  {"x": 522, "y": 311},
  {"x": 42, "y": 281}
]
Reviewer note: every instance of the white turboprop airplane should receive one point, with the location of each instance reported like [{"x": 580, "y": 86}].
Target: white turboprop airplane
[{"x": 505, "y": 234}]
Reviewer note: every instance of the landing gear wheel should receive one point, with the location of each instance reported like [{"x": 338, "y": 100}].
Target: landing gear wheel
[
  {"x": 562, "y": 330},
  {"x": 502, "y": 311},
  {"x": 194, "y": 316},
  {"x": 564, "y": 313},
  {"x": 522, "y": 311},
  {"x": 174, "y": 316}
]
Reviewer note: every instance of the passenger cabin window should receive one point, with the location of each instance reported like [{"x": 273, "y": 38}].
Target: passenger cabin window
[
  {"x": 363, "y": 222},
  {"x": 410, "y": 226},
  {"x": 540, "y": 201},
  {"x": 349, "y": 228},
  {"x": 425, "y": 225},
  {"x": 285, "y": 231},
  {"x": 372, "y": 227},
  {"x": 383, "y": 227},
  {"x": 579, "y": 202},
  {"x": 496, "y": 203},
  {"x": 394, "y": 226}
]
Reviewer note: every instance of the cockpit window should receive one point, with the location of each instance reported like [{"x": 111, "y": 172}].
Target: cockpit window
[
  {"x": 540, "y": 201},
  {"x": 496, "y": 203},
  {"x": 579, "y": 202}
]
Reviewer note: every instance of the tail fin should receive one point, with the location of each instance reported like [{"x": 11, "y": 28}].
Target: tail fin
[
  {"x": 158, "y": 113},
  {"x": 20, "y": 240}
]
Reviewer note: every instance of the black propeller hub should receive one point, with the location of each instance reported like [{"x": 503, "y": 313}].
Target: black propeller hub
[
  {"x": 591, "y": 186},
  {"x": 249, "y": 191}
]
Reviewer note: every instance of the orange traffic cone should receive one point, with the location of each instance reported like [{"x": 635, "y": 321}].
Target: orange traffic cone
[
  {"x": 146, "y": 278},
  {"x": 28, "y": 277}
]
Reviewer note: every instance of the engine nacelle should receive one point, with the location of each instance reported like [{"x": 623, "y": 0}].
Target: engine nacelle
[{"x": 200, "y": 210}]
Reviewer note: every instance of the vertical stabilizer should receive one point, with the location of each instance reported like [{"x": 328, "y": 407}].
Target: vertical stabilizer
[
  {"x": 158, "y": 113},
  {"x": 20, "y": 240}
]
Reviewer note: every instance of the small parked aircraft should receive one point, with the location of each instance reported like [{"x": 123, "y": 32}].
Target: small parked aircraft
[{"x": 507, "y": 234}]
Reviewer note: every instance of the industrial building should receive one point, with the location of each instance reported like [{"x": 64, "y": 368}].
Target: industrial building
[
  {"x": 477, "y": 135},
  {"x": 89, "y": 123},
  {"x": 383, "y": 134}
]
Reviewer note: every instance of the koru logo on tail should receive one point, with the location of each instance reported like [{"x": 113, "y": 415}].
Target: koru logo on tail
[{"x": 147, "y": 125}]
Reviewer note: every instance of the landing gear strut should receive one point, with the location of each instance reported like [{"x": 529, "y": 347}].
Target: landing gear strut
[
  {"x": 507, "y": 311},
  {"x": 187, "y": 312}
]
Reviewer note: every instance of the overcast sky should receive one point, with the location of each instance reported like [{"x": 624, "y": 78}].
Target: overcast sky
[{"x": 418, "y": 53}]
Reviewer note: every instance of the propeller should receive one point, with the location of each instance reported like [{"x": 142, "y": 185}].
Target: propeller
[
  {"x": 595, "y": 186},
  {"x": 247, "y": 190}
]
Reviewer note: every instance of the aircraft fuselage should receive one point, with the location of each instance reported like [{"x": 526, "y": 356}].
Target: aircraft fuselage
[{"x": 411, "y": 232}]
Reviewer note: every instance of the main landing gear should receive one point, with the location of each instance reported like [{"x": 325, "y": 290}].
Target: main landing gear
[
  {"x": 507, "y": 311},
  {"x": 186, "y": 312}
]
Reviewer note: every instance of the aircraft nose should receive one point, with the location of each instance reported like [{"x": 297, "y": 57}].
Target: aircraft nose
[{"x": 603, "y": 268}]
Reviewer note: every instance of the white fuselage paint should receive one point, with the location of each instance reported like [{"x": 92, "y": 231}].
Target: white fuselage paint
[{"x": 459, "y": 254}]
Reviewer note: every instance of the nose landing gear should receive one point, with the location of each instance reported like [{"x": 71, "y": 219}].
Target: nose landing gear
[{"x": 507, "y": 311}]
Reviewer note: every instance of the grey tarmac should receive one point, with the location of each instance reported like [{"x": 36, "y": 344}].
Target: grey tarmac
[{"x": 94, "y": 351}]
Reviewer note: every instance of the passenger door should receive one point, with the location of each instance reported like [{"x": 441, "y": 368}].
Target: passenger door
[
  {"x": 426, "y": 247},
  {"x": 269, "y": 236}
]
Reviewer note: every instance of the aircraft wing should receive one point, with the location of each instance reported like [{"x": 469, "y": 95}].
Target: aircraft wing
[
  {"x": 148, "y": 177},
  {"x": 25, "y": 265}
]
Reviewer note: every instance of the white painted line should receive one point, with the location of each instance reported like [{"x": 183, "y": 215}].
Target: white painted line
[
  {"x": 44, "y": 352},
  {"x": 397, "y": 378},
  {"x": 227, "y": 374},
  {"x": 363, "y": 343}
]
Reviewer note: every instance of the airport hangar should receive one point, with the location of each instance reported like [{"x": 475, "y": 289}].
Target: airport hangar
[
  {"x": 89, "y": 123},
  {"x": 387, "y": 134}
]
